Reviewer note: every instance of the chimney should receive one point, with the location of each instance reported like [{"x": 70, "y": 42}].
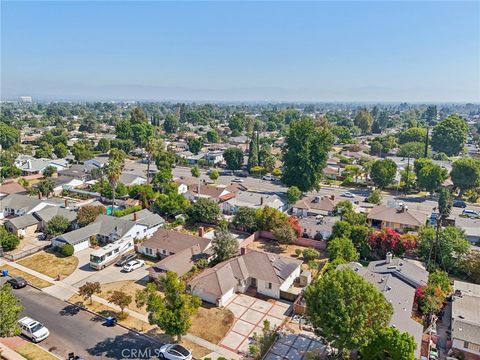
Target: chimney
[
  {"x": 332, "y": 197},
  {"x": 201, "y": 231},
  {"x": 29, "y": 164},
  {"x": 39, "y": 195},
  {"x": 66, "y": 203},
  {"x": 135, "y": 216},
  {"x": 243, "y": 250},
  {"x": 388, "y": 259},
  {"x": 261, "y": 200}
]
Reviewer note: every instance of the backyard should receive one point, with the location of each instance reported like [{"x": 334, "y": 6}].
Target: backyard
[
  {"x": 275, "y": 248},
  {"x": 50, "y": 263}
]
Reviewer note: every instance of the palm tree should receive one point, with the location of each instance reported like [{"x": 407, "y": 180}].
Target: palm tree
[
  {"x": 113, "y": 170},
  {"x": 151, "y": 148}
]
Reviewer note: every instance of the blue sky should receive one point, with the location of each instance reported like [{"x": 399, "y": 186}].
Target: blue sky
[{"x": 283, "y": 51}]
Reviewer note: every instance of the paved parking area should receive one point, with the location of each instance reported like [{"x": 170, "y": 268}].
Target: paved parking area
[
  {"x": 250, "y": 313},
  {"x": 112, "y": 273},
  {"x": 295, "y": 346}
]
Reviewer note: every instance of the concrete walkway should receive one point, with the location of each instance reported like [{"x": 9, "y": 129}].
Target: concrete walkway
[
  {"x": 64, "y": 291},
  {"x": 9, "y": 354}
]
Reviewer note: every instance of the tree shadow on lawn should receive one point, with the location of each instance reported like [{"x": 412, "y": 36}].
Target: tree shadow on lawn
[{"x": 129, "y": 345}]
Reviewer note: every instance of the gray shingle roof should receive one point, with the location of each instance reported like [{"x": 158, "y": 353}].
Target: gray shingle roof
[
  {"x": 47, "y": 213},
  {"x": 17, "y": 201},
  {"x": 21, "y": 222}
]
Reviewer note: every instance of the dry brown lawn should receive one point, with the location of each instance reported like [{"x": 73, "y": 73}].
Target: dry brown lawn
[
  {"x": 219, "y": 322},
  {"x": 104, "y": 310},
  {"x": 34, "y": 352},
  {"x": 30, "y": 278},
  {"x": 273, "y": 247},
  {"x": 50, "y": 263},
  {"x": 198, "y": 351},
  {"x": 129, "y": 287}
]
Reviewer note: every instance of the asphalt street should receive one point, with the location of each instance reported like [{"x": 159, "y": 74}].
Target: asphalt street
[{"x": 78, "y": 331}]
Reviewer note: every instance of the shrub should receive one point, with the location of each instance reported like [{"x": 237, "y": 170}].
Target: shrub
[
  {"x": 298, "y": 252},
  {"x": 310, "y": 254},
  {"x": 67, "y": 250}
]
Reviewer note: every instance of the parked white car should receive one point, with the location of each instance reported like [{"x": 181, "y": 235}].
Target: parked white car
[
  {"x": 32, "y": 329},
  {"x": 174, "y": 352},
  {"x": 237, "y": 180},
  {"x": 133, "y": 265},
  {"x": 348, "y": 195},
  {"x": 471, "y": 214}
]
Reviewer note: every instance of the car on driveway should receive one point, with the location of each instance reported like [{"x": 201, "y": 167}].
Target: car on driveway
[
  {"x": 133, "y": 265},
  {"x": 269, "y": 178},
  {"x": 174, "y": 352},
  {"x": 125, "y": 259},
  {"x": 459, "y": 204},
  {"x": 32, "y": 329},
  {"x": 17, "y": 282},
  {"x": 348, "y": 195}
]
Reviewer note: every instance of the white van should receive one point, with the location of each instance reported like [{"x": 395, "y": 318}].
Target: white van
[{"x": 32, "y": 329}]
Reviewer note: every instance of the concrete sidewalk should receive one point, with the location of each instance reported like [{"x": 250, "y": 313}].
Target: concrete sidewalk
[
  {"x": 9, "y": 354},
  {"x": 64, "y": 291}
]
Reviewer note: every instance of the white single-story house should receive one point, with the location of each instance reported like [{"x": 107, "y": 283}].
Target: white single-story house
[
  {"x": 252, "y": 200},
  {"x": 268, "y": 273}
]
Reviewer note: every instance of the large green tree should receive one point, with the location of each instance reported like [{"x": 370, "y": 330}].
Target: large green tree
[
  {"x": 364, "y": 121},
  {"x": 233, "y": 157},
  {"x": 346, "y": 309},
  {"x": 431, "y": 177},
  {"x": 137, "y": 116},
  {"x": 449, "y": 135},
  {"x": 9, "y": 136},
  {"x": 171, "y": 124},
  {"x": 172, "y": 310},
  {"x": 10, "y": 309},
  {"x": 305, "y": 154},
  {"x": 466, "y": 174},
  {"x": 204, "y": 210},
  {"x": 224, "y": 246},
  {"x": 448, "y": 252},
  {"x": 390, "y": 344},
  {"x": 57, "y": 225},
  {"x": 413, "y": 134},
  {"x": 383, "y": 172},
  {"x": 342, "y": 248},
  {"x": 246, "y": 219}
]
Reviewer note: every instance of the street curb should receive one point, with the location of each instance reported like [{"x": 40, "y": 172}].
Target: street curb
[{"x": 117, "y": 324}]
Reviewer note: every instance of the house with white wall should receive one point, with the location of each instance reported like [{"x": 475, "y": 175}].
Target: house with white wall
[
  {"x": 19, "y": 205},
  {"x": 269, "y": 274}
]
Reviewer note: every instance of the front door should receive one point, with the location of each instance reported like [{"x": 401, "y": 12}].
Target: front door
[{"x": 254, "y": 282}]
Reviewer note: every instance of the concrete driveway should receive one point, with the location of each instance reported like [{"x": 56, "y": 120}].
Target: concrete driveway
[
  {"x": 250, "y": 313},
  {"x": 112, "y": 273}
]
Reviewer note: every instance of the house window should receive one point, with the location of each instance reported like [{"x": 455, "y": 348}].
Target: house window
[{"x": 268, "y": 285}]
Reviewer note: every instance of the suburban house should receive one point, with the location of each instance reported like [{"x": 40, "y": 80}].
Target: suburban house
[
  {"x": 30, "y": 165},
  {"x": 65, "y": 182},
  {"x": 11, "y": 187},
  {"x": 19, "y": 205},
  {"x": 107, "y": 229},
  {"x": 22, "y": 225},
  {"x": 400, "y": 218},
  {"x": 194, "y": 159},
  {"x": 77, "y": 171},
  {"x": 184, "y": 183},
  {"x": 397, "y": 279},
  {"x": 466, "y": 320},
  {"x": 471, "y": 227},
  {"x": 269, "y": 274},
  {"x": 178, "y": 252},
  {"x": 253, "y": 200},
  {"x": 46, "y": 214},
  {"x": 315, "y": 205},
  {"x": 215, "y": 193},
  {"x": 132, "y": 179},
  {"x": 214, "y": 157},
  {"x": 98, "y": 161}
]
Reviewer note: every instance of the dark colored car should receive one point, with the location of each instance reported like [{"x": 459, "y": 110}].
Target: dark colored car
[
  {"x": 242, "y": 174},
  {"x": 126, "y": 258},
  {"x": 17, "y": 282},
  {"x": 459, "y": 204}
]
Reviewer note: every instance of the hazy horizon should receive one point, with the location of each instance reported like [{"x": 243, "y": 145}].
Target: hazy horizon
[{"x": 363, "y": 52}]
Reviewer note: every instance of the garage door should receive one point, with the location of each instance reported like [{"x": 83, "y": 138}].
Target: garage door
[{"x": 81, "y": 246}]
